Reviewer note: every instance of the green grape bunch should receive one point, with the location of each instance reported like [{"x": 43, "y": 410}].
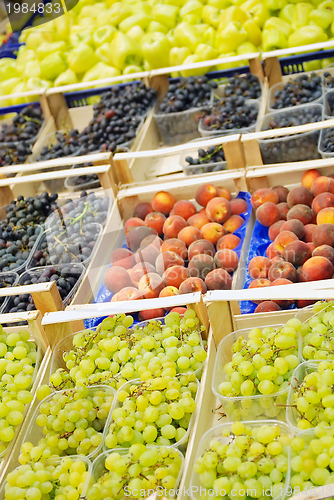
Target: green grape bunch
[
  {"x": 318, "y": 333},
  {"x": 18, "y": 361},
  {"x": 245, "y": 462},
  {"x": 157, "y": 411},
  {"x": 137, "y": 473},
  {"x": 117, "y": 352},
  {"x": 62, "y": 479}
]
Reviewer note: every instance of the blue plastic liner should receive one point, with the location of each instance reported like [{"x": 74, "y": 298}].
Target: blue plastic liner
[{"x": 104, "y": 295}]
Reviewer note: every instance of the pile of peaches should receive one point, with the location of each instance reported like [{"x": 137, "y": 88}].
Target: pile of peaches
[
  {"x": 300, "y": 235},
  {"x": 174, "y": 248}
]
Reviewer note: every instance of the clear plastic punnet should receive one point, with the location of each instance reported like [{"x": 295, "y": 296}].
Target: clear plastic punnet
[
  {"x": 201, "y": 168},
  {"x": 246, "y": 407},
  {"x": 216, "y": 434}
]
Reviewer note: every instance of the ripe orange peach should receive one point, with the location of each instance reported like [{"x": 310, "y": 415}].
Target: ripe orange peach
[
  {"x": 201, "y": 247},
  {"x": 267, "y": 306},
  {"x": 173, "y": 226},
  {"x": 132, "y": 224},
  {"x": 295, "y": 226},
  {"x": 155, "y": 220},
  {"x": 139, "y": 270},
  {"x": 175, "y": 275},
  {"x": 259, "y": 267},
  {"x": 238, "y": 206},
  {"x": 282, "y": 269},
  {"x": 198, "y": 220},
  {"x": 324, "y": 251},
  {"x": 205, "y": 193},
  {"x": 323, "y": 235},
  {"x": 325, "y": 216},
  {"x": 300, "y": 196},
  {"x": 274, "y": 230},
  {"x": 116, "y": 278},
  {"x": 180, "y": 310},
  {"x": 192, "y": 285},
  {"x": 175, "y": 245},
  {"x": 311, "y": 245},
  {"x": 148, "y": 253},
  {"x": 309, "y": 230},
  {"x": 223, "y": 192},
  {"x": 166, "y": 260},
  {"x": 122, "y": 257},
  {"x": 233, "y": 223},
  {"x": 297, "y": 253},
  {"x": 318, "y": 268},
  {"x": 136, "y": 236},
  {"x": 200, "y": 265},
  {"x": 212, "y": 232},
  {"x": 282, "y": 193},
  {"x": 151, "y": 239},
  {"x": 129, "y": 293},
  {"x": 283, "y": 209},
  {"x": 169, "y": 291},
  {"x": 267, "y": 214},
  {"x": 261, "y": 196},
  {"x": 189, "y": 234},
  {"x": 151, "y": 314},
  {"x": 163, "y": 202},
  {"x": 218, "y": 279},
  {"x": 150, "y": 285},
  {"x": 142, "y": 209},
  {"x": 227, "y": 259},
  {"x": 282, "y": 240},
  {"x": 270, "y": 252},
  {"x": 323, "y": 200},
  {"x": 184, "y": 208},
  {"x": 309, "y": 176},
  {"x": 230, "y": 241},
  {"x": 322, "y": 184},
  {"x": 259, "y": 283},
  {"x": 218, "y": 210},
  {"x": 302, "y": 213}
]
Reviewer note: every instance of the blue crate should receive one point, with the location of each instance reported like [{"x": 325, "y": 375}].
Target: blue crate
[{"x": 291, "y": 65}]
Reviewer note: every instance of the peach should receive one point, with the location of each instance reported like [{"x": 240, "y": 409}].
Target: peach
[
  {"x": 238, "y": 206},
  {"x": 142, "y": 210},
  {"x": 114, "y": 298},
  {"x": 163, "y": 202},
  {"x": 213, "y": 232},
  {"x": 151, "y": 239},
  {"x": 139, "y": 270},
  {"x": 223, "y": 192},
  {"x": 201, "y": 247},
  {"x": 267, "y": 214},
  {"x": 198, "y": 220},
  {"x": 189, "y": 234},
  {"x": 318, "y": 268},
  {"x": 270, "y": 252},
  {"x": 297, "y": 253},
  {"x": 191, "y": 285},
  {"x": 218, "y": 210},
  {"x": 227, "y": 259},
  {"x": 295, "y": 226},
  {"x": 166, "y": 260},
  {"x": 276, "y": 259},
  {"x": 151, "y": 314},
  {"x": 200, "y": 265},
  {"x": 304, "y": 303},
  {"x": 284, "y": 304},
  {"x": 325, "y": 216},
  {"x": 323, "y": 235},
  {"x": 323, "y": 200},
  {"x": 309, "y": 230},
  {"x": 175, "y": 275},
  {"x": 259, "y": 283},
  {"x": 150, "y": 285},
  {"x": 274, "y": 230},
  {"x": 302, "y": 213},
  {"x": 282, "y": 240},
  {"x": 122, "y": 257},
  {"x": 180, "y": 310},
  {"x": 301, "y": 277},
  {"x": 322, "y": 184},
  {"x": 184, "y": 208},
  {"x": 173, "y": 225},
  {"x": 233, "y": 223},
  {"x": 282, "y": 270},
  {"x": 147, "y": 254},
  {"x": 132, "y": 224},
  {"x": 129, "y": 293},
  {"x": 259, "y": 267},
  {"x": 263, "y": 195},
  {"x": 205, "y": 193},
  {"x": 300, "y": 196},
  {"x": 116, "y": 278},
  {"x": 175, "y": 245},
  {"x": 169, "y": 291},
  {"x": 155, "y": 220},
  {"x": 311, "y": 245},
  {"x": 230, "y": 241},
  {"x": 324, "y": 251},
  {"x": 267, "y": 306},
  {"x": 282, "y": 193},
  {"x": 283, "y": 209},
  {"x": 136, "y": 236},
  {"x": 218, "y": 279},
  {"x": 309, "y": 176}
]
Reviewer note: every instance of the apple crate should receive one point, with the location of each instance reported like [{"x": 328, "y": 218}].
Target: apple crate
[
  {"x": 92, "y": 288},
  {"x": 32, "y": 322}
]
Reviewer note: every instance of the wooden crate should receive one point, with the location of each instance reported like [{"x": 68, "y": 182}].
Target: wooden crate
[
  {"x": 127, "y": 199},
  {"x": 33, "y": 319}
]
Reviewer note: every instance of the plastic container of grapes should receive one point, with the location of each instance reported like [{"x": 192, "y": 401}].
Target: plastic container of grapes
[
  {"x": 4, "y": 277},
  {"x": 280, "y": 86},
  {"x": 28, "y": 141},
  {"x": 34, "y": 432},
  {"x": 297, "y": 147},
  {"x": 22, "y": 267},
  {"x": 259, "y": 406},
  {"x": 220, "y": 90},
  {"x": 57, "y": 461},
  {"x": 180, "y": 445},
  {"x": 215, "y": 433},
  {"x": 197, "y": 372},
  {"x": 99, "y": 464},
  {"x": 206, "y": 132},
  {"x": 31, "y": 263},
  {"x": 298, "y": 375},
  {"x": 177, "y": 128},
  {"x": 202, "y": 168}
]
